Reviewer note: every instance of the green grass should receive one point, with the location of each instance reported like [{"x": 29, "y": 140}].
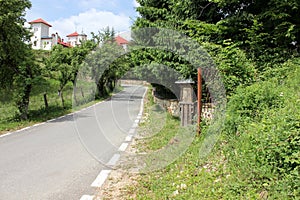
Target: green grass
[
  {"x": 158, "y": 129},
  {"x": 9, "y": 120},
  {"x": 257, "y": 158},
  {"x": 181, "y": 176}
]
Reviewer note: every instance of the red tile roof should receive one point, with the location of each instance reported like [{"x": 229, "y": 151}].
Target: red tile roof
[
  {"x": 40, "y": 20},
  {"x": 73, "y": 34},
  {"x": 121, "y": 40},
  {"x": 64, "y": 44}
]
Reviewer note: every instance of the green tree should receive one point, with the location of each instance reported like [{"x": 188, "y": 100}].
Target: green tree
[
  {"x": 63, "y": 64},
  {"x": 60, "y": 67},
  {"x": 267, "y": 30},
  {"x": 18, "y": 68},
  {"x": 271, "y": 26},
  {"x": 105, "y": 35},
  {"x": 107, "y": 63},
  {"x": 234, "y": 66}
]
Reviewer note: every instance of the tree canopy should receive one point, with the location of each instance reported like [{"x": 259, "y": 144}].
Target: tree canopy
[
  {"x": 17, "y": 61},
  {"x": 270, "y": 26},
  {"x": 13, "y": 36}
]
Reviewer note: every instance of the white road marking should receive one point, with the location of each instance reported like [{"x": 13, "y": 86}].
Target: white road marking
[
  {"x": 105, "y": 173},
  {"x": 128, "y": 138},
  {"x": 131, "y": 131},
  {"x": 6, "y": 134},
  {"x": 48, "y": 121},
  {"x": 26, "y": 128},
  {"x": 98, "y": 182},
  {"x": 87, "y": 197},
  {"x": 123, "y": 147},
  {"x": 135, "y": 125},
  {"x": 39, "y": 124},
  {"x": 51, "y": 120},
  {"x": 113, "y": 161}
]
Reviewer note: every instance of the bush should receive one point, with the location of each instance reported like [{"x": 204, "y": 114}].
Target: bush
[
  {"x": 248, "y": 103},
  {"x": 235, "y": 68},
  {"x": 264, "y": 140}
]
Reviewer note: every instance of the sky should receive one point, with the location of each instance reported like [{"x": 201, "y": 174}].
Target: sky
[{"x": 68, "y": 16}]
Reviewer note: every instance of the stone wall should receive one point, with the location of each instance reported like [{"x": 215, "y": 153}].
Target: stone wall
[
  {"x": 172, "y": 106},
  {"x": 132, "y": 82},
  {"x": 207, "y": 111}
]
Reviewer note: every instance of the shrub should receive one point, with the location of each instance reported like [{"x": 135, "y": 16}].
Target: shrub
[{"x": 263, "y": 129}]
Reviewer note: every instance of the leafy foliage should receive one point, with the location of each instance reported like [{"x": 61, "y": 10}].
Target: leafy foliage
[
  {"x": 107, "y": 63},
  {"x": 263, "y": 127},
  {"x": 63, "y": 64},
  {"x": 18, "y": 68},
  {"x": 258, "y": 160},
  {"x": 255, "y": 47},
  {"x": 12, "y": 21}
]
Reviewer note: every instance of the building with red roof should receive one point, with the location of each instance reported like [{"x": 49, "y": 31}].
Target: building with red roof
[
  {"x": 41, "y": 39},
  {"x": 40, "y": 20},
  {"x": 75, "y": 39},
  {"x": 122, "y": 42}
]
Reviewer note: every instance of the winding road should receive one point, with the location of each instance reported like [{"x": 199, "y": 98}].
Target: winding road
[{"x": 62, "y": 158}]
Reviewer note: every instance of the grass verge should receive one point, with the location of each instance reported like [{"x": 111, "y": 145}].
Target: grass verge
[
  {"x": 9, "y": 120},
  {"x": 255, "y": 157}
]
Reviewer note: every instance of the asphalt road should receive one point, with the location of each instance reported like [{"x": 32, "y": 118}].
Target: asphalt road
[{"x": 61, "y": 158}]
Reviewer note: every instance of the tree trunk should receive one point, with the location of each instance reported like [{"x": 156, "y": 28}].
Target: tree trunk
[
  {"x": 74, "y": 92},
  {"x": 23, "y": 102},
  {"x": 101, "y": 89},
  {"x": 115, "y": 83},
  {"x": 82, "y": 93},
  {"x": 74, "y": 96},
  {"x": 110, "y": 85},
  {"x": 45, "y": 100},
  {"x": 60, "y": 93}
]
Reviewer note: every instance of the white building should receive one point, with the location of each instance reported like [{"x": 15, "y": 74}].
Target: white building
[
  {"x": 41, "y": 38},
  {"x": 75, "y": 39}
]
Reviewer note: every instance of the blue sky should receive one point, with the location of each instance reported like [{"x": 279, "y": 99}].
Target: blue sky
[{"x": 67, "y": 16}]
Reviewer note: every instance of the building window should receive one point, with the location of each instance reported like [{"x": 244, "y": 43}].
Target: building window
[{"x": 36, "y": 29}]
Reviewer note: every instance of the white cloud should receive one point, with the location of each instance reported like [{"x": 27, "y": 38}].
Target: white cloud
[
  {"x": 136, "y": 4},
  {"x": 90, "y": 21},
  {"x": 87, "y": 4}
]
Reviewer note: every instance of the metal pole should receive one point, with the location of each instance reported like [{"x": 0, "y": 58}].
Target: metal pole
[{"x": 199, "y": 99}]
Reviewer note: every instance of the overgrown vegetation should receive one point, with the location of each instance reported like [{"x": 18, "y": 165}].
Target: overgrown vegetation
[
  {"x": 255, "y": 49},
  {"x": 256, "y": 156}
]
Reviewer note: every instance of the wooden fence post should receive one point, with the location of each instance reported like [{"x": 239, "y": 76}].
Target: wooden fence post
[{"x": 199, "y": 99}]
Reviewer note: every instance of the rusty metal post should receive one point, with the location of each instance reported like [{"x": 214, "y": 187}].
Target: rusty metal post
[{"x": 199, "y": 99}]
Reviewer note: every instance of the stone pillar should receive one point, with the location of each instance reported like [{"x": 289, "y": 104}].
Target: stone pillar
[{"x": 186, "y": 102}]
